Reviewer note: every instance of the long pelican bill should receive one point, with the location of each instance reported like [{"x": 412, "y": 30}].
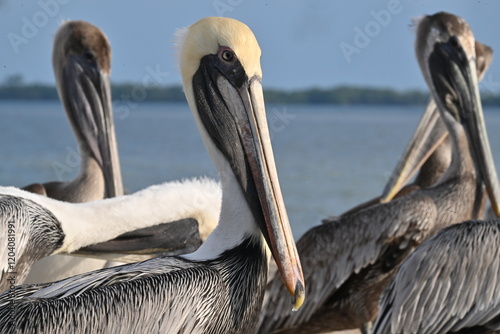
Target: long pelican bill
[
  {"x": 87, "y": 97},
  {"x": 261, "y": 160},
  {"x": 455, "y": 78},
  {"x": 167, "y": 239},
  {"x": 429, "y": 134},
  {"x": 223, "y": 90},
  {"x": 480, "y": 141}
]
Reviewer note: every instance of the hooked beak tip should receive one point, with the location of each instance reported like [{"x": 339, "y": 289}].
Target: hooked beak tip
[
  {"x": 386, "y": 199},
  {"x": 390, "y": 194},
  {"x": 496, "y": 209},
  {"x": 299, "y": 296}
]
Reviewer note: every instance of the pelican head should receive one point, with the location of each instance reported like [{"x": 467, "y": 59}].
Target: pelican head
[
  {"x": 445, "y": 48},
  {"x": 81, "y": 60},
  {"x": 220, "y": 67},
  {"x": 430, "y": 133}
]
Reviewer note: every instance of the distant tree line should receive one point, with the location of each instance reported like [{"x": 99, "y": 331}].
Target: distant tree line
[
  {"x": 14, "y": 89},
  {"x": 347, "y": 95}
]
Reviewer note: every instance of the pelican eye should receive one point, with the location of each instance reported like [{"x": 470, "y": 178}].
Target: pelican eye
[
  {"x": 454, "y": 42},
  {"x": 228, "y": 55}
]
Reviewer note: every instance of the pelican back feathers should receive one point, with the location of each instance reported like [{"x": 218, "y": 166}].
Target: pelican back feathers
[{"x": 449, "y": 284}]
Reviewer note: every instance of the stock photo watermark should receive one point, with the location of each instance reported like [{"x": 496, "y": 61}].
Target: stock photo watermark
[
  {"x": 129, "y": 101},
  {"x": 365, "y": 34},
  {"x": 72, "y": 160},
  {"x": 279, "y": 120},
  {"x": 31, "y": 25},
  {"x": 223, "y": 7},
  {"x": 489, "y": 86},
  {"x": 10, "y": 274}
]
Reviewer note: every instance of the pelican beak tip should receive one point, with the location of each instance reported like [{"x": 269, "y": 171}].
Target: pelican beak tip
[
  {"x": 496, "y": 208},
  {"x": 386, "y": 199},
  {"x": 299, "y": 296}
]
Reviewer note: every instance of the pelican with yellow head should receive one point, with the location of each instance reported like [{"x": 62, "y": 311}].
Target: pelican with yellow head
[{"x": 220, "y": 287}]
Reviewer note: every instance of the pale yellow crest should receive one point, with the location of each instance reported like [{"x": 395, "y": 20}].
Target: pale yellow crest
[{"x": 207, "y": 35}]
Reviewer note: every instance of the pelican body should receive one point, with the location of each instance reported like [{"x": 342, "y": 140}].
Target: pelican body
[
  {"x": 44, "y": 226},
  {"x": 219, "y": 288},
  {"x": 453, "y": 275},
  {"x": 349, "y": 262}
]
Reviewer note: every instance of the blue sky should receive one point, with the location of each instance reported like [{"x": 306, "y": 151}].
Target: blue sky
[{"x": 301, "y": 40}]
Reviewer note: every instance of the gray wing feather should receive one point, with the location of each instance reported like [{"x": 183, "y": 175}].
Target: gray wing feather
[
  {"x": 167, "y": 301},
  {"x": 77, "y": 285},
  {"x": 449, "y": 283},
  {"x": 332, "y": 252}
]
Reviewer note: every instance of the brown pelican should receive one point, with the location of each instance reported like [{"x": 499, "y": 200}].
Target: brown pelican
[
  {"x": 437, "y": 148},
  {"x": 81, "y": 58},
  {"x": 38, "y": 226},
  {"x": 453, "y": 285},
  {"x": 437, "y": 145},
  {"x": 351, "y": 261},
  {"x": 449, "y": 284},
  {"x": 219, "y": 288}
]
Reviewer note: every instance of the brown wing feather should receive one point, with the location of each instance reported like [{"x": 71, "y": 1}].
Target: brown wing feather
[{"x": 332, "y": 252}]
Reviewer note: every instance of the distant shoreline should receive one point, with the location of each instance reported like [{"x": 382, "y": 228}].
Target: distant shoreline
[{"x": 341, "y": 95}]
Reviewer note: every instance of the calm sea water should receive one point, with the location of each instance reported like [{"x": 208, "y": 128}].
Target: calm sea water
[{"x": 329, "y": 158}]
